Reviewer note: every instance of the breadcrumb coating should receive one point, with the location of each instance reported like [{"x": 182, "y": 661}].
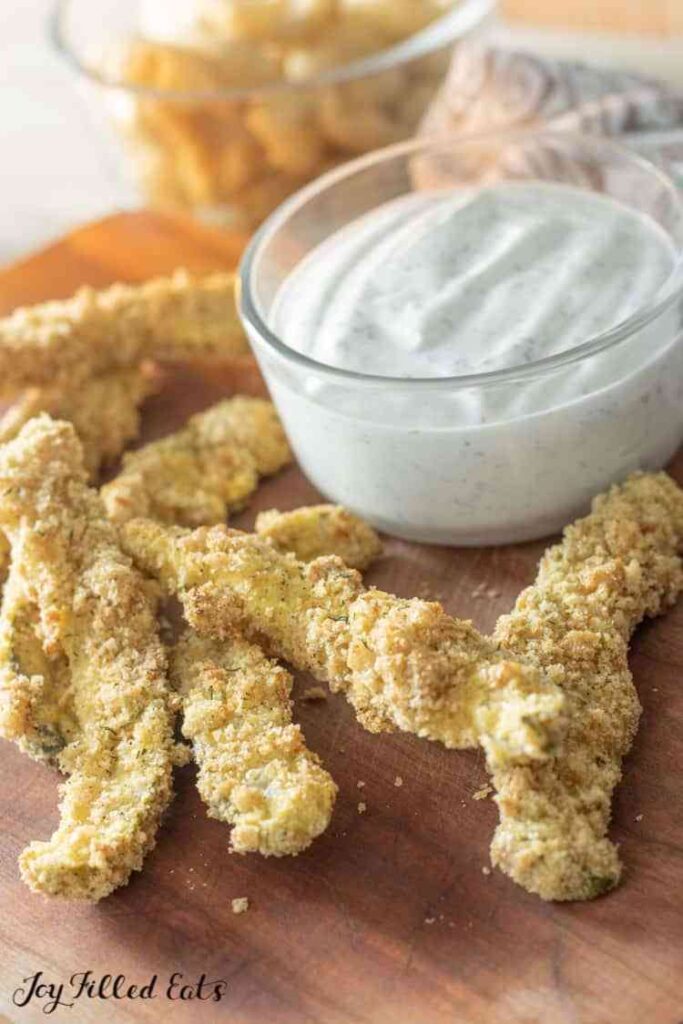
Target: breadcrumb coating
[
  {"x": 59, "y": 343},
  {"x": 35, "y": 701},
  {"x": 255, "y": 771},
  {"x": 105, "y": 411},
  {"x": 612, "y": 569},
  {"x": 402, "y": 664},
  {"x": 4, "y": 560},
  {"x": 439, "y": 678},
  {"x": 318, "y": 530},
  {"x": 205, "y": 471},
  {"x": 95, "y": 611}
]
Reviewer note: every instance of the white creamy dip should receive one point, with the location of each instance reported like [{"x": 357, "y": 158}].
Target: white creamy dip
[
  {"x": 450, "y": 284},
  {"x": 435, "y": 285}
]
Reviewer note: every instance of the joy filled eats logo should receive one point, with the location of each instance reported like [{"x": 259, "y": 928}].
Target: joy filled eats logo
[{"x": 38, "y": 990}]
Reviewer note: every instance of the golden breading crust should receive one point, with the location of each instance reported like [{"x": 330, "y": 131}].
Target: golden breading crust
[
  {"x": 255, "y": 771},
  {"x": 57, "y": 344},
  {"x": 203, "y": 472},
  {"x": 35, "y": 700},
  {"x": 402, "y": 664},
  {"x": 613, "y": 568},
  {"x": 318, "y": 530},
  {"x": 105, "y": 411},
  {"x": 94, "y": 610},
  {"x": 4, "y": 560}
]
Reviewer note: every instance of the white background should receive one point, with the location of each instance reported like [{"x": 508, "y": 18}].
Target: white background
[{"x": 54, "y": 172}]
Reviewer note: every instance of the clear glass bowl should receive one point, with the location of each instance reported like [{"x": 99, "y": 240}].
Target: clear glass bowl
[
  {"x": 197, "y": 140},
  {"x": 405, "y": 453}
]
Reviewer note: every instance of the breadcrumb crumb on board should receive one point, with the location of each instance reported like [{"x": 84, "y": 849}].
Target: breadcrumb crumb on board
[{"x": 314, "y": 694}]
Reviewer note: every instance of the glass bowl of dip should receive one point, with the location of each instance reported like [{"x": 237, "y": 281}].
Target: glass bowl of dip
[
  {"x": 468, "y": 338},
  {"x": 226, "y": 107}
]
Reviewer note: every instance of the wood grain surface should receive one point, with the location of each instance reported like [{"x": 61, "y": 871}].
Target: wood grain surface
[
  {"x": 391, "y": 917},
  {"x": 649, "y": 17}
]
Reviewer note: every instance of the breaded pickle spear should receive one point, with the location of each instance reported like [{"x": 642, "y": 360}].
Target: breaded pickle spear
[
  {"x": 314, "y": 531},
  {"x": 613, "y": 568},
  {"x": 402, "y": 663},
  {"x": 255, "y": 771},
  {"x": 105, "y": 410},
  {"x": 99, "y": 614},
  {"x": 204, "y": 471},
  {"x": 166, "y": 319},
  {"x": 4, "y": 559},
  {"x": 35, "y": 698}
]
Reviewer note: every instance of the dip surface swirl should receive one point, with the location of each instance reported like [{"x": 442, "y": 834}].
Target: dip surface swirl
[{"x": 464, "y": 282}]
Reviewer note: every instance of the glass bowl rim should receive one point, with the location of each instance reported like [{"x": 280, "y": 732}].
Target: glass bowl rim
[
  {"x": 464, "y": 17},
  {"x": 669, "y": 293}
]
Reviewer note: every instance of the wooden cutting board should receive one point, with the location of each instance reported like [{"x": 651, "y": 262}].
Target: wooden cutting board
[
  {"x": 392, "y": 917},
  {"x": 647, "y": 17}
]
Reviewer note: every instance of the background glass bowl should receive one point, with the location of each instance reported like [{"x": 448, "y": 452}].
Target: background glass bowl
[
  {"x": 405, "y": 453},
  {"x": 231, "y": 156}
]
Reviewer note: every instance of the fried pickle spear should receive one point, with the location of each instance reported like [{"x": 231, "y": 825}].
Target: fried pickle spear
[
  {"x": 35, "y": 699},
  {"x": 4, "y": 559},
  {"x": 402, "y": 663},
  {"x": 318, "y": 530},
  {"x": 255, "y": 771},
  {"x": 105, "y": 411},
  {"x": 94, "y": 610},
  {"x": 612, "y": 569},
  {"x": 57, "y": 344},
  {"x": 204, "y": 471}
]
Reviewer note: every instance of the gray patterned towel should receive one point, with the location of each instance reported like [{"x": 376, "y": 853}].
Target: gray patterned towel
[{"x": 488, "y": 88}]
